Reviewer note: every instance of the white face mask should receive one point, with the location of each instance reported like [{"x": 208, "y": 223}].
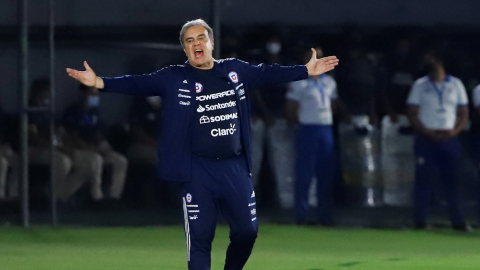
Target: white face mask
[
  {"x": 93, "y": 101},
  {"x": 274, "y": 47},
  {"x": 154, "y": 101}
]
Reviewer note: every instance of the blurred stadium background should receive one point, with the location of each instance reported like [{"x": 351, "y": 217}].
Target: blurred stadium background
[{"x": 373, "y": 189}]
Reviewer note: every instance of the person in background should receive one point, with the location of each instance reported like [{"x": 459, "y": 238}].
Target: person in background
[
  {"x": 438, "y": 111},
  {"x": 8, "y": 160},
  {"x": 144, "y": 128},
  {"x": 400, "y": 75},
  {"x": 82, "y": 123},
  {"x": 359, "y": 83},
  {"x": 310, "y": 103},
  {"x": 270, "y": 118},
  {"x": 476, "y": 132},
  {"x": 73, "y": 167}
]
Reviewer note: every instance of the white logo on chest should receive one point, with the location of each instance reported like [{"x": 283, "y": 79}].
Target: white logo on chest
[{"x": 233, "y": 76}]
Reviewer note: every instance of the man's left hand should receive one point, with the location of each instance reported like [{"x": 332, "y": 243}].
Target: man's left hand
[{"x": 317, "y": 67}]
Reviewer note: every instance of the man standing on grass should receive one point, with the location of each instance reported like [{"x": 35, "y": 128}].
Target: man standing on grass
[
  {"x": 438, "y": 112},
  {"x": 205, "y": 143},
  {"x": 311, "y": 103}
]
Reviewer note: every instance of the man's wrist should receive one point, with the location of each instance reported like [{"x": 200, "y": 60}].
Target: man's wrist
[
  {"x": 308, "y": 71},
  {"x": 99, "y": 84}
]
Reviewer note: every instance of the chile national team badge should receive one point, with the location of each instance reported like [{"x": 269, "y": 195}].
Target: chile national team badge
[
  {"x": 198, "y": 87},
  {"x": 233, "y": 76},
  {"x": 189, "y": 198}
]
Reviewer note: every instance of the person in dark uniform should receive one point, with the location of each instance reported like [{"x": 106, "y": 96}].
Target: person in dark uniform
[
  {"x": 205, "y": 141},
  {"x": 83, "y": 124},
  {"x": 73, "y": 167}
]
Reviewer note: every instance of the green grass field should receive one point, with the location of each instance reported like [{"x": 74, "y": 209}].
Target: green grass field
[{"x": 277, "y": 248}]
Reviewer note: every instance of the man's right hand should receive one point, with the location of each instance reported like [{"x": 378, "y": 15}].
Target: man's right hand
[{"x": 87, "y": 77}]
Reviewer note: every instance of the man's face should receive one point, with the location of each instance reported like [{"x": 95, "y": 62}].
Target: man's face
[
  {"x": 198, "y": 47},
  {"x": 430, "y": 62}
]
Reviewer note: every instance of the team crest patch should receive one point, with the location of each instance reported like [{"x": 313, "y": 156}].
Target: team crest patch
[
  {"x": 189, "y": 197},
  {"x": 198, "y": 87},
  {"x": 233, "y": 76}
]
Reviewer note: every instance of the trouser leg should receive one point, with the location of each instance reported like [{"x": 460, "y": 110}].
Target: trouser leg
[
  {"x": 87, "y": 166},
  {"x": 200, "y": 216},
  {"x": 448, "y": 162},
  {"x": 63, "y": 165},
  {"x": 10, "y": 179},
  {"x": 325, "y": 168},
  {"x": 425, "y": 164},
  {"x": 304, "y": 167},
  {"x": 119, "y": 173},
  {"x": 239, "y": 208}
]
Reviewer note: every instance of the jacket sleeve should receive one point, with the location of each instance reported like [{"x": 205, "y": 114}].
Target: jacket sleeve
[
  {"x": 259, "y": 75},
  {"x": 153, "y": 84}
]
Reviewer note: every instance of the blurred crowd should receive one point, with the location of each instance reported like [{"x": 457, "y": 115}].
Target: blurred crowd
[{"x": 297, "y": 129}]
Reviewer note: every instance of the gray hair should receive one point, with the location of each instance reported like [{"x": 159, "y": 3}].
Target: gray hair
[{"x": 196, "y": 22}]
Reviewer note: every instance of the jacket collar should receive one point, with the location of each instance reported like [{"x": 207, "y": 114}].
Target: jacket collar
[{"x": 217, "y": 69}]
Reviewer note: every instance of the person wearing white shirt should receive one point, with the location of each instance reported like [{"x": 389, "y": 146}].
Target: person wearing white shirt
[
  {"x": 438, "y": 111},
  {"x": 309, "y": 103}
]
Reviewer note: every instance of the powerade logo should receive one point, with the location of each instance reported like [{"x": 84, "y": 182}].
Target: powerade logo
[
  {"x": 216, "y": 95},
  {"x": 216, "y": 132},
  {"x": 198, "y": 87},
  {"x": 219, "y": 118}
]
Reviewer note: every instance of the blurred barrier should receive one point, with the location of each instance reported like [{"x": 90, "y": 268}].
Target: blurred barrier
[
  {"x": 281, "y": 138},
  {"x": 361, "y": 162},
  {"x": 397, "y": 161}
]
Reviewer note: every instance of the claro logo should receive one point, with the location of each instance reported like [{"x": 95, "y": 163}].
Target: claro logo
[{"x": 223, "y": 131}]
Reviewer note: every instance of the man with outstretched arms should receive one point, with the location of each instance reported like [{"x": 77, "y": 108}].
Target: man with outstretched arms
[
  {"x": 438, "y": 111},
  {"x": 205, "y": 143}
]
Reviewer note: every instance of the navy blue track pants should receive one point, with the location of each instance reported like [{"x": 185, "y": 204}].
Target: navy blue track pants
[
  {"x": 316, "y": 156},
  {"x": 219, "y": 186},
  {"x": 431, "y": 155}
]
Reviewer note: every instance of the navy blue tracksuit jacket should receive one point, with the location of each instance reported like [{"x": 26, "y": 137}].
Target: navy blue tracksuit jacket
[{"x": 175, "y": 140}]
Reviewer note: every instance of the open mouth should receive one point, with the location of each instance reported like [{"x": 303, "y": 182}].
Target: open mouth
[{"x": 198, "y": 53}]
